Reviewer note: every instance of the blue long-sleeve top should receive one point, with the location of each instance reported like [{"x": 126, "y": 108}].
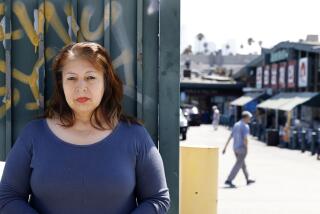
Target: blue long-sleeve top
[{"x": 121, "y": 174}]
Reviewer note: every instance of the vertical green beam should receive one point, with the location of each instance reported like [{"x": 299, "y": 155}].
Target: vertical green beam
[
  {"x": 169, "y": 63},
  {"x": 107, "y": 25},
  {"x": 8, "y": 99},
  {"x": 316, "y": 86},
  {"x": 74, "y": 14},
  {"x": 315, "y": 74},
  {"x": 41, "y": 54},
  {"x": 2, "y": 84},
  {"x": 150, "y": 70},
  {"x": 308, "y": 88},
  {"x": 297, "y": 72},
  {"x": 139, "y": 59}
]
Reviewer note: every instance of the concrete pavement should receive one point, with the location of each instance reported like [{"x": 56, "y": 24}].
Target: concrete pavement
[{"x": 287, "y": 182}]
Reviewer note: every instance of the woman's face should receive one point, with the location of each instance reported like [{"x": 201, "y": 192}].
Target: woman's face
[{"x": 83, "y": 85}]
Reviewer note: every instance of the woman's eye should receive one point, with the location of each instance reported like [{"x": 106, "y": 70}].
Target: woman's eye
[
  {"x": 71, "y": 78},
  {"x": 90, "y": 78}
]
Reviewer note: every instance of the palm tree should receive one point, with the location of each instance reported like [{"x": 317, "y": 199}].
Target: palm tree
[
  {"x": 205, "y": 45},
  {"x": 250, "y": 41},
  {"x": 200, "y": 37},
  {"x": 227, "y": 48},
  {"x": 187, "y": 50}
]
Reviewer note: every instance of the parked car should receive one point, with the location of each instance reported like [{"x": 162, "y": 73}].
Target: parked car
[
  {"x": 183, "y": 125},
  {"x": 191, "y": 112}
]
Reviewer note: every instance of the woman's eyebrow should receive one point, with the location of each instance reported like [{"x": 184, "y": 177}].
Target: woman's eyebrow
[
  {"x": 70, "y": 72},
  {"x": 90, "y": 71}
]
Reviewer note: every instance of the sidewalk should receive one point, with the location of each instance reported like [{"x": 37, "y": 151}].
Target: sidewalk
[{"x": 287, "y": 182}]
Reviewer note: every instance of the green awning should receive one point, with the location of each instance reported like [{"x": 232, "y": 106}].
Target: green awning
[
  {"x": 245, "y": 99},
  {"x": 287, "y": 101},
  {"x": 299, "y": 99}
]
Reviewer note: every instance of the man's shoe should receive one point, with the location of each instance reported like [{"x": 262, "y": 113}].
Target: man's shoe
[
  {"x": 231, "y": 185},
  {"x": 250, "y": 182}
]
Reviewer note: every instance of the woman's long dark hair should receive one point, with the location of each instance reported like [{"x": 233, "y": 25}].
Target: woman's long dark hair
[{"x": 110, "y": 106}]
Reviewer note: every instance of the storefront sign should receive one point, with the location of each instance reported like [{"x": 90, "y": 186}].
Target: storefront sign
[
  {"x": 274, "y": 76},
  {"x": 291, "y": 74},
  {"x": 282, "y": 75},
  {"x": 259, "y": 77},
  {"x": 279, "y": 55},
  {"x": 266, "y": 76},
  {"x": 303, "y": 72}
]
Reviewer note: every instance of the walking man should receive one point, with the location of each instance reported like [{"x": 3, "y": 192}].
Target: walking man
[{"x": 240, "y": 133}]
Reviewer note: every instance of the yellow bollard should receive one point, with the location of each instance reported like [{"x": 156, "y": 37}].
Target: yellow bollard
[{"x": 198, "y": 180}]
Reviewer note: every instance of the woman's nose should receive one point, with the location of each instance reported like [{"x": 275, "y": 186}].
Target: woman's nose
[{"x": 82, "y": 86}]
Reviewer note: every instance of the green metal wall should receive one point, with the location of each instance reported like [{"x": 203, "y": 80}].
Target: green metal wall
[{"x": 142, "y": 37}]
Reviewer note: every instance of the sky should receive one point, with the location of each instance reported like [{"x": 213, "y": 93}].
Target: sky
[{"x": 234, "y": 21}]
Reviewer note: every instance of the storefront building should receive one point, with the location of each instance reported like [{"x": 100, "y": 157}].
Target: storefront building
[
  {"x": 289, "y": 73},
  {"x": 207, "y": 93}
]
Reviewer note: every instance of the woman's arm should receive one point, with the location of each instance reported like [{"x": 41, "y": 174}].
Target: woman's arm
[
  {"x": 151, "y": 187},
  {"x": 14, "y": 186}
]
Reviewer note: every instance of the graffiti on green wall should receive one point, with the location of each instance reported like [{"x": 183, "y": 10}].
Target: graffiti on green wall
[{"x": 33, "y": 30}]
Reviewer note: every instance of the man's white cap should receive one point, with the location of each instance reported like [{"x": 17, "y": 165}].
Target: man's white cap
[{"x": 246, "y": 114}]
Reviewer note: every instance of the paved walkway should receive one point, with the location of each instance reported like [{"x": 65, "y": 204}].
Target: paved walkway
[{"x": 287, "y": 182}]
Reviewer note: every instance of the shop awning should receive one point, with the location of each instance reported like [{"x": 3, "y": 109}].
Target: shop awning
[
  {"x": 245, "y": 99},
  {"x": 287, "y": 101},
  {"x": 299, "y": 99},
  {"x": 276, "y": 101}
]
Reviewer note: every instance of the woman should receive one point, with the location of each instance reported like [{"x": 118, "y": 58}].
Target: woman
[{"x": 84, "y": 156}]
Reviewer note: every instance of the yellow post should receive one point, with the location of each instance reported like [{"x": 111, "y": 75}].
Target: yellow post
[{"x": 198, "y": 180}]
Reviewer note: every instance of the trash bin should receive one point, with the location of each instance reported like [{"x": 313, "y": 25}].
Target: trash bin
[
  {"x": 254, "y": 128},
  {"x": 272, "y": 137},
  {"x": 313, "y": 147},
  {"x": 295, "y": 139},
  {"x": 303, "y": 141},
  {"x": 318, "y": 144}
]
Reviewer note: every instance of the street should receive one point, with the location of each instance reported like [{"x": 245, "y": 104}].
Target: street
[{"x": 287, "y": 181}]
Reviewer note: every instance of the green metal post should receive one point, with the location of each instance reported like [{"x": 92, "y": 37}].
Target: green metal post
[
  {"x": 9, "y": 98},
  {"x": 169, "y": 76},
  {"x": 150, "y": 70}
]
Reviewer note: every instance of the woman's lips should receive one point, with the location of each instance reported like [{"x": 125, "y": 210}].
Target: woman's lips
[{"x": 82, "y": 99}]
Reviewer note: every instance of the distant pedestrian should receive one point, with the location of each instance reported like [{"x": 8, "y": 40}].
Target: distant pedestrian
[
  {"x": 239, "y": 134},
  {"x": 215, "y": 117}
]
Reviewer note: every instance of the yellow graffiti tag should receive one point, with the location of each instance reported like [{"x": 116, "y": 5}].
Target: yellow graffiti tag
[
  {"x": 41, "y": 19},
  {"x": 116, "y": 11},
  {"x": 49, "y": 53},
  {"x": 1, "y": 9},
  {"x": 53, "y": 19},
  {"x": 68, "y": 10},
  {"x": 81, "y": 38},
  {"x": 32, "y": 81},
  {"x": 86, "y": 15},
  {"x": 2, "y": 66},
  {"x": 5, "y": 107},
  {"x": 124, "y": 58},
  {"x": 17, "y": 34},
  {"x": 2, "y": 90},
  {"x": 2, "y": 107},
  {"x": 21, "y": 12}
]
